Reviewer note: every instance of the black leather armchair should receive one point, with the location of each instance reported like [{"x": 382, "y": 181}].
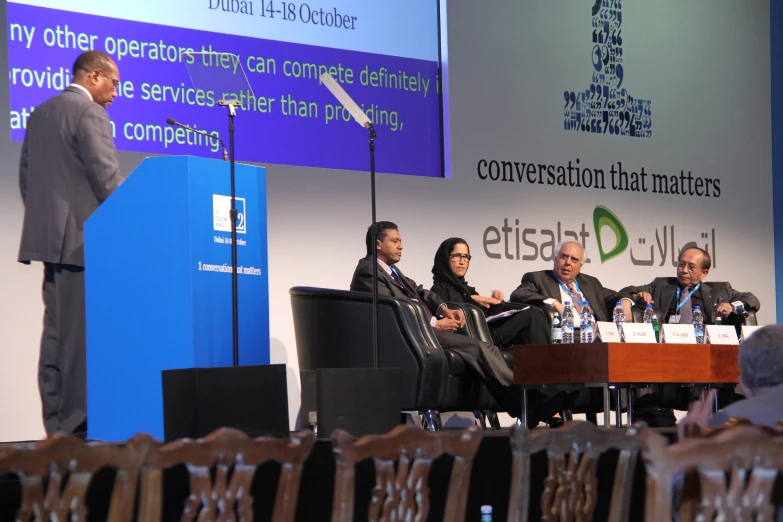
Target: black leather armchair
[{"x": 333, "y": 329}]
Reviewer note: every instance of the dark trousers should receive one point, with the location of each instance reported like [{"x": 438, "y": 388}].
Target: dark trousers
[
  {"x": 529, "y": 326},
  {"x": 488, "y": 363},
  {"x": 62, "y": 376}
]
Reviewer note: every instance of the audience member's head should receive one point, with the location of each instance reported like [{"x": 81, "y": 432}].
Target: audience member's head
[
  {"x": 568, "y": 260},
  {"x": 761, "y": 360},
  {"x": 388, "y": 244}
]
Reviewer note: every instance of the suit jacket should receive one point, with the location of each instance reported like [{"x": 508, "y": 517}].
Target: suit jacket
[
  {"x": 539, "y": 286},
  {"x": 67, "y": 168},
  {"x": 362, "y": 282},
  {"x": 664, "y": 290},
  {"x": 765, "y": 409}
]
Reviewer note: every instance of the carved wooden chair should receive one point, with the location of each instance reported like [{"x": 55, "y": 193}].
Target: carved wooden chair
[
  {"x": 571, "y": 486},
  {"x": 751, "y": 457},
  {"x": 226, "y": 499},
  {"x": 689, "y": 497},
  {"x": 56, "y": 473},
  {"x": 403, "y": 495}
]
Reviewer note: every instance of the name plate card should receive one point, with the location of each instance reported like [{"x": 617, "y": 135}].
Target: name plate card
[
  {"x": 678, "y": 334},
  {"x": 721, "y": 334},
  {"x": 606, "y": 332},
  {"x": 638, "y": 333},
  {"x": 747, "y": 331}
]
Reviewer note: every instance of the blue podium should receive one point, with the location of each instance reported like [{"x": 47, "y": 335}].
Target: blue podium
[{"x": 158, "y": 286}]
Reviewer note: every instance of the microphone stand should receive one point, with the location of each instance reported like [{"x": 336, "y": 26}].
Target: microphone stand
[
  {"x": 232, "y": 106},
  {"x": 361, "y": 118},
  {"x": 172, "y": 121},
  {"x": 373, "y": 135}
]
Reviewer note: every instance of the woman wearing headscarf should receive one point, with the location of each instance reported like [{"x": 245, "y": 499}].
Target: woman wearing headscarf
[{"x": 452, "y": 261}]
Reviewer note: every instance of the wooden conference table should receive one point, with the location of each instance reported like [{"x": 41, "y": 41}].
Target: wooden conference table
[{"x": 623, "y": 365}]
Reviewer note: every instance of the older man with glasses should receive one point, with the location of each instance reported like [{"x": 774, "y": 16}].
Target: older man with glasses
[
  {"x": 68, "y": 167},
  {"x": 673, "y": 300}
]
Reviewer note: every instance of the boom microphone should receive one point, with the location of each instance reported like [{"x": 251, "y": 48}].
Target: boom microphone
[{"x": 172, "y": 121}]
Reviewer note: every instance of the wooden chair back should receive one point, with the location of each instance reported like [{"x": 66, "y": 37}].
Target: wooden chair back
[
  {"x": 231, "y": 453},
  {"x": 751, "y": 456},
  {"x": 403, "y": 495},
  {"x": 571, "y": 486},
  {"x": 56, "y": 473}
]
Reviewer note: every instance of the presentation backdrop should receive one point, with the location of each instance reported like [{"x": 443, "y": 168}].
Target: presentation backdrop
[
  {"x": 636, "y": 128},
  {"x": 170, "y": 67}
]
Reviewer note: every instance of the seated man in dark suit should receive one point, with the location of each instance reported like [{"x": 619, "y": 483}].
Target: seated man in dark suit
[
  {"x": 673, "y": 299},
  {"x": 565, "y": 282},
  {"x": 483, "y": 358}
]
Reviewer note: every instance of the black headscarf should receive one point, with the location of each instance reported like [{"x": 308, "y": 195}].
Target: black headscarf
[{"x": 442, "y": 272}]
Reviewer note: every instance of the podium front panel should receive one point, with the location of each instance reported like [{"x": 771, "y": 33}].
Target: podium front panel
[{"x": 158, "y": 286}]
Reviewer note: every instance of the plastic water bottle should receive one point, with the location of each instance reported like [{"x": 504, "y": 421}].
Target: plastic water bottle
[
  {"x": 556, "y": 332},
  {"x": 486, "y": 513},
  {"x": 698, "y": 324},
  {"x": 650, "y": 317},
  {"x": 568, "y": 324},
  {"x": 618, "y": 316},
  {"x": 587, "y": 322}
]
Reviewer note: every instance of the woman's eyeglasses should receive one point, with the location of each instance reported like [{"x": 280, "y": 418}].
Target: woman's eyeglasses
[{"x": 457, "y": 257}]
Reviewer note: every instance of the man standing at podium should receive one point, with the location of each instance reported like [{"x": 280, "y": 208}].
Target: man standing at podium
[{"x": 68, "y": 167}]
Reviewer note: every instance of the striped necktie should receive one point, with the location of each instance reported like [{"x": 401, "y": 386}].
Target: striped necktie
[{"x": 575, "y": 295}]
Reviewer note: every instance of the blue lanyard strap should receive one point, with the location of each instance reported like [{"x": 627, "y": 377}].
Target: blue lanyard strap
[
  {"x": 679, "y": 304},
  {"x": 568, "y": 292}
]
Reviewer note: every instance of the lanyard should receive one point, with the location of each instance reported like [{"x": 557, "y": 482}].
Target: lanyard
[
  {"x": 568, "y": 292},
  {"x": 679, "y": 304}
]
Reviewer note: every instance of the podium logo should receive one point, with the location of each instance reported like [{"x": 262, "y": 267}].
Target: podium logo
[
  {"x": 603, "y": 217},
  {"x": 221, "y": 214},
  {"x": 606, "y": 106}
]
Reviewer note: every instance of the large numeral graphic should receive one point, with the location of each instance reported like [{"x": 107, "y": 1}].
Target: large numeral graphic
[{"x": 606, "y": 104}]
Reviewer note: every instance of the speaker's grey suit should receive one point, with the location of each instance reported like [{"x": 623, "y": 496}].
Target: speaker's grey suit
[{"x": 67, "y": 168}]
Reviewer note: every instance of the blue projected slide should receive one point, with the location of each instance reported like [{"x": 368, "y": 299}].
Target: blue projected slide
[{"x": 385, "y": 55}]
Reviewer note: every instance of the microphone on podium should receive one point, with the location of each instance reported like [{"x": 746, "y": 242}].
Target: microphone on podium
[{"x": 172, "y": 121}]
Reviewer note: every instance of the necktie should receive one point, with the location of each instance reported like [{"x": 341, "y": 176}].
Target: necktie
[
  {"x": 686, "y": 310},
  {"x": 575, "y": 296},
  {"x": 408, "y": 292}
]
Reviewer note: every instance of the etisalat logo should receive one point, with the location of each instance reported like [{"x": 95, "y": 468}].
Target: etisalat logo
[
  {"x": 531, "y": 244},
  {"x": 603, "y": 217},
  {"x": 606, "y": 106}
]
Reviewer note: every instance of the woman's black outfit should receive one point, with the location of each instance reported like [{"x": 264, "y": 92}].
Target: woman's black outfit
[{"x": 529, "y": 326}]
